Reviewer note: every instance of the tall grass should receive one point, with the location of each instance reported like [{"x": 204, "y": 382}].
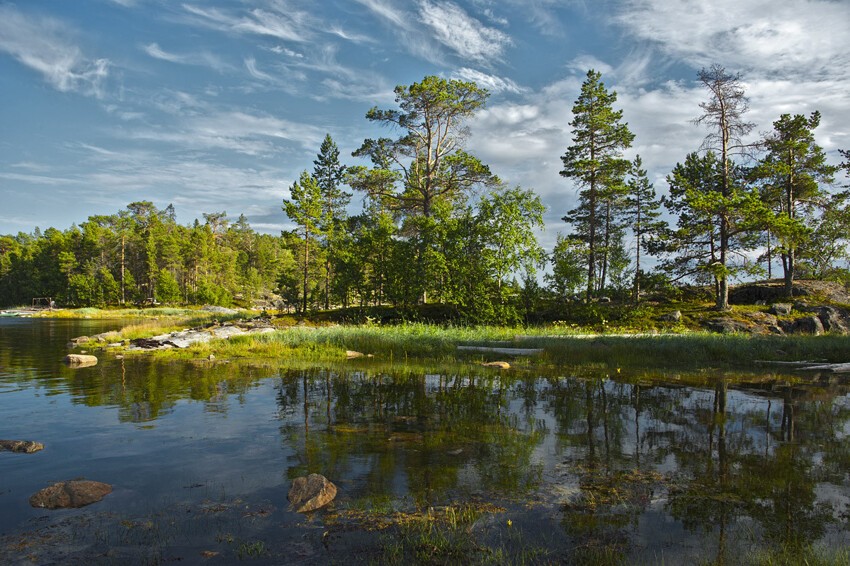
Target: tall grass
[{"x": 435, "y": 343}]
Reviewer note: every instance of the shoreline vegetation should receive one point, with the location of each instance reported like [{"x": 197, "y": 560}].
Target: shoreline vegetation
[{"x": 336, "y": 336}]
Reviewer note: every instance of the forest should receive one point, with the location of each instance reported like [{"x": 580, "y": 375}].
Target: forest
[{"x": 437, "y": 226}]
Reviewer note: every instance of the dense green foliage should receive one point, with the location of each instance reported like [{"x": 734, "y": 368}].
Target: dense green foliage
[
  {"x": 142, "y": 255},
  {"x": 438, "y": 228}
]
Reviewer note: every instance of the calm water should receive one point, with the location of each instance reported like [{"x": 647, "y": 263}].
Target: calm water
[{"x": 572, "y": 465}]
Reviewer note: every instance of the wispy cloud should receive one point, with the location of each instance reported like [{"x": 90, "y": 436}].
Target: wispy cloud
[
  {"x": 778, "y": 36},
  {"x": 200, "y": 59},
  {"x": 238, "y": 131},
  {"x": 43, "y": 44},
  {"x": 251, "y": 65},
  {"x": 280, "y": 21},
  {"x": 492, "y": 83},
  {"x": 466, "y": 36}
]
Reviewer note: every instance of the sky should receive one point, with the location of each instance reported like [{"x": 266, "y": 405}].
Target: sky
[{"x": 214, "y": 105}]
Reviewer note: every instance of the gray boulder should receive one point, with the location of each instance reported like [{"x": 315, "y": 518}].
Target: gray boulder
[
  {"x": 805, "y": 325},
  {"x": 310, "y": 493},
  {"x": 780, "y": 309},
  {"x": 726, "y": 325},
  {"x": 674, "y": 316}
]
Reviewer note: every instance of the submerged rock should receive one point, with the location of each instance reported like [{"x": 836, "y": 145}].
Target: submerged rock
[
  {"x": 21, "y": 446},
  {"x": 70, "y": 494},
  {"x": 80, "y": 360},
  {"x": 311, "y": 493}
]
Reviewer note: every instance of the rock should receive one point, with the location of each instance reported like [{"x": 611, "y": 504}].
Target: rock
[
  {"x": 806, "y": 325},
  {"x": 21, "y": 446},
  {"x": 70, "y": 494},
  {"x": 726, "y": 325},
  {"x": 80, "y": 360},
  {"x": 218, "y": 310},
  {"x": 836, "y": 321},
  {"x": 674, "y": 316},
  {"x": 780, "y": 309},
  {"x": 310, "y": 493},
  {"x": 500, "y": 365},
  {"x": 78, "y": 340}
]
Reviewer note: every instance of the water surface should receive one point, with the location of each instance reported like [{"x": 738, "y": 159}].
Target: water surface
[{"x": 574, "y": 465}]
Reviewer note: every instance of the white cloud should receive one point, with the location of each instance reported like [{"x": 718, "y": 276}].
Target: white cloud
[
  {"x": 237, "y": 131},
  {"x": 463, "y": 34},
  {"x": 42, "y": 44},
  {"x": 201, "y": 59},
  {"x": 491, "y": 82},
  {"x": 251, "y": 65},
  {"x": 280, "y": 21},
  {"x": 389, "y": 12},
  {"x": 774, "y": 36}
]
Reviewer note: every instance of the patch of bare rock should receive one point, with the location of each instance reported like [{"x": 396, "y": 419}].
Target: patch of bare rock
[
  {"x": 80, "y": 360},
  {"x": 782, "y": 317},
  {"x": 70, "y": 494},
  {"x": 311, "y": 493},
  {"x": 185, "y": 338},
  {"x": 21, "y": 446}
]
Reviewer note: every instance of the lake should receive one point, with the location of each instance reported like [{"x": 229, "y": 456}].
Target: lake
[{"x": 440, "y": 463}]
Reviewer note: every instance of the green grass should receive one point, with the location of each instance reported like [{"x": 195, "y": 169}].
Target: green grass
[{"x": 418, "y": 341}]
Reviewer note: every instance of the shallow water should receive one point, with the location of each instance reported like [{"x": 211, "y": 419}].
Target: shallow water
[{"x": 577, "y": 465}]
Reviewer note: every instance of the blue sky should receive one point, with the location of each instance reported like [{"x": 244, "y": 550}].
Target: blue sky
[{"x": 217, "y": 105}]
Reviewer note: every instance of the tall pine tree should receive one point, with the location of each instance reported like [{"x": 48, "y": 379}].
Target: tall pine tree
[{"x": 595, "y": 161}]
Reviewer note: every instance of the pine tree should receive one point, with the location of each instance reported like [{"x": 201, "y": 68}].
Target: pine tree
[
  {"x": 641, "y": 212},
  {"x": 595, "y": 162},
  {"x": 793, "y": 171},
  {"x": 304, "y": 207},
  {"x": 329, "y": 174}
]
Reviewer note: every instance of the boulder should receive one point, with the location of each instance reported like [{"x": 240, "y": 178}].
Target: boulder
[
  {"x": 726, "y": 325},
  {"x": 21, "y": 446},
  {"x": 806, "y": 325},
  {"x": 834, "y": 320},
  {"x": 310, "y": 493},
  {"x": 780, "y": 309},
  {"x": 674, "y": 316},
  {"x": 80, "y": 360},
  {"x": 70, "y": 494}
]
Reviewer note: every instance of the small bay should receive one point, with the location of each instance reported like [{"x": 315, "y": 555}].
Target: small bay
[{"x": 548, "y": 465}]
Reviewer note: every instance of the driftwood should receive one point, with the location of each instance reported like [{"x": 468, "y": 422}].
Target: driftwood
[{"x": 501, "y": 350}]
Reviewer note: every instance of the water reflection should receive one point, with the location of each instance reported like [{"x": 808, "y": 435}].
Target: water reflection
[{"x": 644, "y": 466}]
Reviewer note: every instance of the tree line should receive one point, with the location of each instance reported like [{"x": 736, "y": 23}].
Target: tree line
[{"x": 438, "y": 226}]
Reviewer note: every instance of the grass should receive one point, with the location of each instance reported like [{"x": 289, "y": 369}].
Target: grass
[
  {"x": 419, "y": 341},
  {"x": 808, "y": 555}
]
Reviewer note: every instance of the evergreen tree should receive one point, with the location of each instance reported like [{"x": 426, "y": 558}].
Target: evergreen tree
[
  {"x": 330, "y": 174},
  {"x": 641, "y": 212},
  {"x": 595, "y": 162},
  {"x": 793, "y": 171},
  {"x": 724, "y": 113},
  {"x": 304, "y": 207},
  {"x": 426, "y": 165}
]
